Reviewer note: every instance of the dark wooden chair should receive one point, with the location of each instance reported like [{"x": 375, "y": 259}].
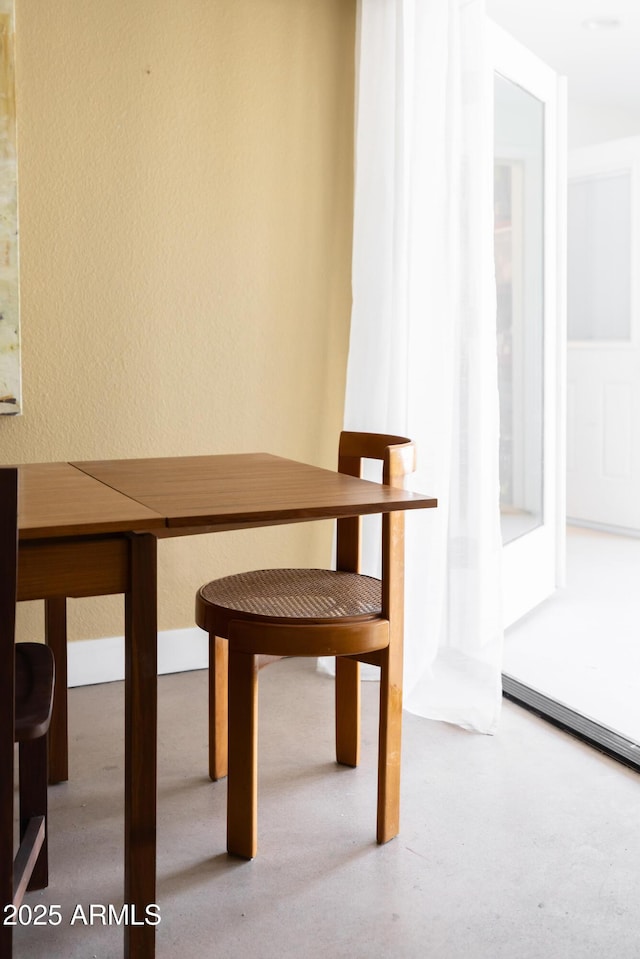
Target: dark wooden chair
[
  {"x": 26, "y": 697},
  {"x": 256, "y": 617}
]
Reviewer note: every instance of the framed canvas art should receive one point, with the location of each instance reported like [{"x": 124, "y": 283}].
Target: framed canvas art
[{"x": 10, "y": 391}]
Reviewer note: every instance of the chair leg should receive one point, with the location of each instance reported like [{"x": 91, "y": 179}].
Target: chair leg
[
  {"x": 6, "y": 937},
  {"x": 33, "y": 801},
  {"x": 347, "y": 711},
  {"x": 389, "y": 753},
  {"x": 242, "y": 783},
  {"x": 55, "y": 628},
  {"x": 218, "y": 705},
  {"x": 6, "y": 804}
]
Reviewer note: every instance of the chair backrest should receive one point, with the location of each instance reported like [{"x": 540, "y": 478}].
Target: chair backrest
[
  {"x": 8, "y": 554},
  {"x": 398, "y": 457},
  {"x": 397, "y": 453},
  {"x": 8, "y": 579}
]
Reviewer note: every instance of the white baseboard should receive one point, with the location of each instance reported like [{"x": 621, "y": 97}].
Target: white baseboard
[
  {"x": 603, "y": 527},
  {"x": 93, "y": 661}
]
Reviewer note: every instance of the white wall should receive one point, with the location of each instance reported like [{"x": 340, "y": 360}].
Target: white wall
[{"x": 591, "y": 123}]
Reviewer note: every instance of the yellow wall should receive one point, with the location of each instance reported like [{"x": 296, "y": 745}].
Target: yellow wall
[{"x": 185, "y": 202}]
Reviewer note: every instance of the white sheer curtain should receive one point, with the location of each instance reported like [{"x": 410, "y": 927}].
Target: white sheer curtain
[{"x": 422, "y": 358}]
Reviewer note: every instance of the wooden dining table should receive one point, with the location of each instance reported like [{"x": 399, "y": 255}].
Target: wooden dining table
[{"x": 91, "y": 528}]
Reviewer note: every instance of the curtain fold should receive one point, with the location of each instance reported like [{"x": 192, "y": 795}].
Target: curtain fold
[{"x": 422, "y": 356}]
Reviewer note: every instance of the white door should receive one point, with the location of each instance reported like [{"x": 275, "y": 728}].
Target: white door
[
  {"x": 529, "y": 231},
  {"x": 603, "y": 362}
]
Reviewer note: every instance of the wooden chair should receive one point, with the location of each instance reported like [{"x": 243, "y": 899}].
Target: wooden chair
[
  {"x": 255, "y": 617},
  {"x": 26, "y": 697}
]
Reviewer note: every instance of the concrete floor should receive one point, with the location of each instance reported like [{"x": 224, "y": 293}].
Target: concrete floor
[{"x": 525, "y": 844}]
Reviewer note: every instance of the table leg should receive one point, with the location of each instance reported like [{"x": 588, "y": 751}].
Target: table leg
[
  {"x": 55, "y": 631},
  {"x": 141, "y": 699}
]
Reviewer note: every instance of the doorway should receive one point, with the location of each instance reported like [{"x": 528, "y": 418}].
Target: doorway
[
  {"x": 603, "y": 359},
  {"x": 574, "y": 656},
  {"x": 580, "y": 649}
]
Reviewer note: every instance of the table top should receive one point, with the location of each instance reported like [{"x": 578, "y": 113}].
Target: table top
[
  {"x": 246, "y": 489},
  {"x": 55, "y": 499},
  {"x": 171, "y": 495}
]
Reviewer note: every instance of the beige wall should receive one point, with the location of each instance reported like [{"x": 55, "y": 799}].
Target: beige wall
[{"x": 185, "y": 200}]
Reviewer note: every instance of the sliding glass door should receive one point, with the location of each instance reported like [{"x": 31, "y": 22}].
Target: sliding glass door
[{"x": 528, "y": 244}]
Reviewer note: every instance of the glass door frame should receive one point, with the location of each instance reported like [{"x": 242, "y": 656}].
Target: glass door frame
[{"x": 534, "y": 563}]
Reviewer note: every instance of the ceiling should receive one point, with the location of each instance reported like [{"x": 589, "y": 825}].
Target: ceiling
[{"x": 602, "y": 65}]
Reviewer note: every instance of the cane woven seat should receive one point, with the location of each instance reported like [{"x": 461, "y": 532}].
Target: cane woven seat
[{"x": 312, "y": 595}]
